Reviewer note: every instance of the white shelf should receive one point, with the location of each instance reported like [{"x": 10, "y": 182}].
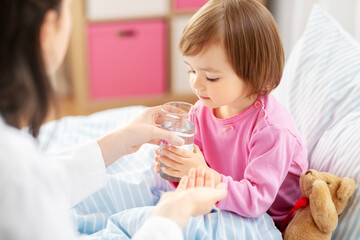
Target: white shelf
[{"x": 102, "y": 10}]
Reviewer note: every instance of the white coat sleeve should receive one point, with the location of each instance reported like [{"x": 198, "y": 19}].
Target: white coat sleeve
[
  {"x": 32, "y": 201},
  {"x": 81, "y": 170},
  {"x": 159, "y": 228}
]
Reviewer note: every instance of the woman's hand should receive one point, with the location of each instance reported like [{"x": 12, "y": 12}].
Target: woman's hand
[
  {"x": 128, "y": 139},
  {"x": 196, "y": 194},
  {"x": 179, "y": 161},
  {"x": 147, "y": 128}
]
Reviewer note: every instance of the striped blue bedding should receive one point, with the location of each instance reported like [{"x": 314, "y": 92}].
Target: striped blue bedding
[{"x": 133, "y": 188}]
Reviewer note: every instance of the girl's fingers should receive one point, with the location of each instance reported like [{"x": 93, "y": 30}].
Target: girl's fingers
[
  {"x": 157, "y": 158},
  {"x": 171, "y": 155},
  {"x": 180, "y": 151},
  {"x": 157, "y": 167},
  {"x": 171, "y": 172},
  {"x": 170, "y": 162},
  {"x": 196, "y": 149}
]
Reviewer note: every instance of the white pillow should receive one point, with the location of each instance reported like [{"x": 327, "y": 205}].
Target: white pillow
[
  {"x": 338, "y": 152},
  {"x": 321, "y": 88}
]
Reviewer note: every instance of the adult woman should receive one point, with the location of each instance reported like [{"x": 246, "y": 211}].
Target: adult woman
[{"x": 36, "y": 191}]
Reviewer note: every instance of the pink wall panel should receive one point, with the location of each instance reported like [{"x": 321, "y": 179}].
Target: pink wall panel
[
  {"x": 189, "y": 4},
  {"x": 127, "y": 59}
]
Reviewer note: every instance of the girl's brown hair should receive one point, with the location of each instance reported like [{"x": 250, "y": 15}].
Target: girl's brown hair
[
  {"x": 249, "y": 34},
  {"x": 25, "y": 89}
]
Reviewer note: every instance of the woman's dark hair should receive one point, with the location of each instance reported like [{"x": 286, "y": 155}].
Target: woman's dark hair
[{"x": 25, "y": 88}]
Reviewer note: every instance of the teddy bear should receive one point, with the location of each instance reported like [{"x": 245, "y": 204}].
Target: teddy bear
[{"x": 325, "y": 197}]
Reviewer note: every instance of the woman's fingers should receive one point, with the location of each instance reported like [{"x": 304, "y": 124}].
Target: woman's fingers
[
  {"x": 155, "y": 141},
  {"x": 222, "y": 186},
  {"x": 168, "y": 136},
  {"x": 192, "y": 178},
  {"x": 183, "y": 184},
  {"x": 209, "y": 179},
  {"x": 219, "y": 192},
  {"x": 200, "y": 177},
  {"x": 168, "y": 108},
  {"x": 157, "y": 115}
]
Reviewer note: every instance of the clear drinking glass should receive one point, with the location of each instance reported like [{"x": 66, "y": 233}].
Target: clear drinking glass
[{"x": 177, "y": 117}]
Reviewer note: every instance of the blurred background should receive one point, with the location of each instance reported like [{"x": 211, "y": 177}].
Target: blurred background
[{"x": 124, "y": 52}]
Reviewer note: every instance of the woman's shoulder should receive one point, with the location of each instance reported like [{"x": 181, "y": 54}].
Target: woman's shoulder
[{"x": 17, "y": 147}]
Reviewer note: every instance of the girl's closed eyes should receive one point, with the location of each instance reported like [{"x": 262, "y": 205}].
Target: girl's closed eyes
[
  {"x": 211, "y": 79},
  {"x": 210, "y": 73}
]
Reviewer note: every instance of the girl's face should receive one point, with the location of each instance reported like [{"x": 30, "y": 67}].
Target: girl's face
[
  {"x": 214, "y": 81},
  {"x": 55, "y": 35}
]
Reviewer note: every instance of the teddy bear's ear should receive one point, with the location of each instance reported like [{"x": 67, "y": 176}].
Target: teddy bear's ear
[{"x": 346, "y": 189}]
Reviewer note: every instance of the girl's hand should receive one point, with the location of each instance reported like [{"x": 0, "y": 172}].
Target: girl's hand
[
  {"x": 179, "y": 161},
  {"x": 157, "y": 161}
]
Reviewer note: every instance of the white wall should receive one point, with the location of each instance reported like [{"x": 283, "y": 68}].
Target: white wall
[{"x": 179, "y": 74}]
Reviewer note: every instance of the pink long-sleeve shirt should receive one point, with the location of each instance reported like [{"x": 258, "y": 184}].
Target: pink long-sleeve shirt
[{"x": 260, "y": 155}]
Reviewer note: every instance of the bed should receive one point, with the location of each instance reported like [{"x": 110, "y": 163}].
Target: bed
[{"x": 320, "y": 87}]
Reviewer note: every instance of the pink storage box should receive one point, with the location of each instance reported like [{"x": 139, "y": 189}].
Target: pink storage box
[
  {"x": 189, "y": 4},
  {"x": 127, "y": 59}
]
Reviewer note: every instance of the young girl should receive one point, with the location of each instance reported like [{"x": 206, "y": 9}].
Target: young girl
[{"x": 248, "y": 139}]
